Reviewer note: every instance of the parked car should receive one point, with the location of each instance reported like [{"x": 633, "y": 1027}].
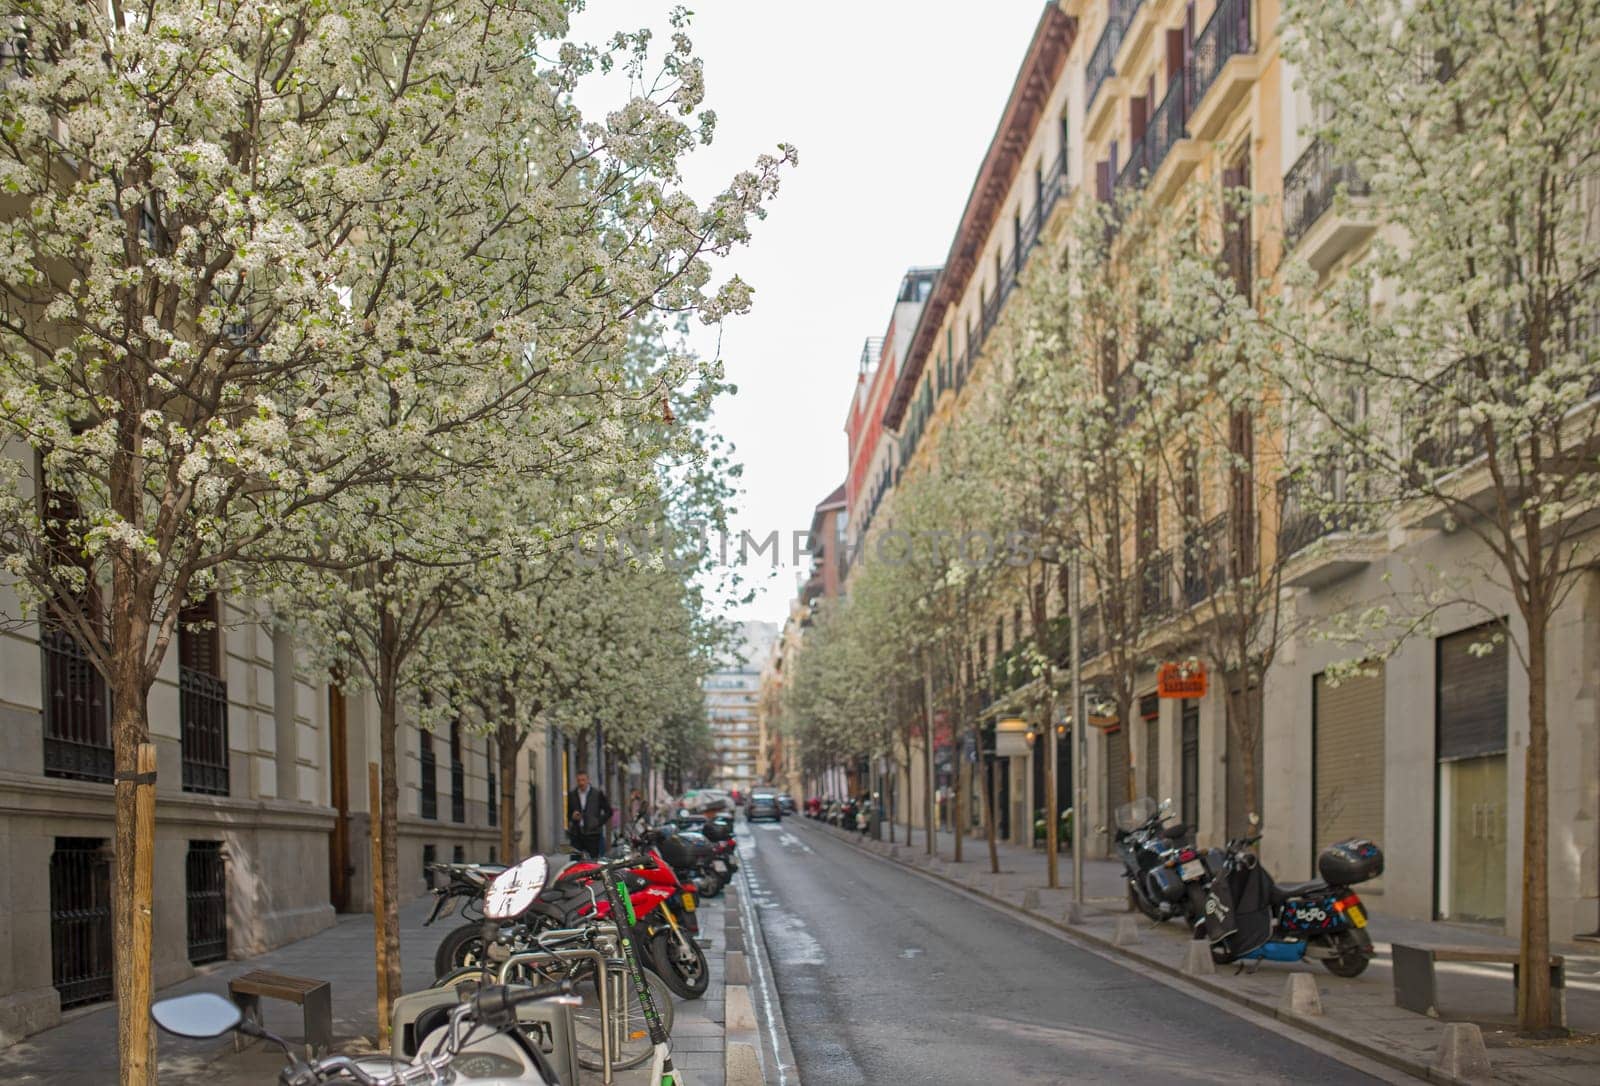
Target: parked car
[
  {"x": 786, "y": 804},
  {"x": 763, "y": 806}
]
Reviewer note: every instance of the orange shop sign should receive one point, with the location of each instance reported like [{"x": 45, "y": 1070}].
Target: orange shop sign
[{"x": 1186, "y": 680}]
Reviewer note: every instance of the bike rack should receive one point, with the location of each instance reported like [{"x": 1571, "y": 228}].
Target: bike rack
[{"x": 602, "y": 977}]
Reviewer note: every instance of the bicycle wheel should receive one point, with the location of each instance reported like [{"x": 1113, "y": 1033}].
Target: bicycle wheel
[{"x": 630, "y": 1034}]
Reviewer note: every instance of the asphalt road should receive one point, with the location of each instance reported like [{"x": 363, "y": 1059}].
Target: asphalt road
[{"x": 886, "y": 977}]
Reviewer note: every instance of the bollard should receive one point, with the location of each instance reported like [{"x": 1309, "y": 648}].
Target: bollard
[
  {"x": 741, "y": 1013},
  {"x": 741, "y": 1066},
  {"x": 1300, "y": 995},
  {"x": 1073, "y": 913},
  {"x": 1030, "y": 898},
  {"x": 1127, "y": 932},
  {"x": 735, "y": 970},
  {"x": 1461, "y": 1052},
  {"x": 1197, "y": 960}
]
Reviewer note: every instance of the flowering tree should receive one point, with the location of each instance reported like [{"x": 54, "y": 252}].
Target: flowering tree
[
  {"x": 255, "y": 256},
  {"x": 1453, "y": 370}
]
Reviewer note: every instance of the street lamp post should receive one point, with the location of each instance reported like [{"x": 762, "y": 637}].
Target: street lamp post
[{"x": 1080, "y": 733}]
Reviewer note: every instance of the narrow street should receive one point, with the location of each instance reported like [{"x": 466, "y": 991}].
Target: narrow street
[{"x": 887, "y": 977}]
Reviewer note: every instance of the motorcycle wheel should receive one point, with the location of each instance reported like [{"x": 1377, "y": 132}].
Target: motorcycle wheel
[
  {"x": 710, "y": 884},
  {"x": 1142, "y": 905},
  {"x": 684, "y": 970},
  {"x": 1349, "y": 965},
  {"x": 462, "y": 948}
]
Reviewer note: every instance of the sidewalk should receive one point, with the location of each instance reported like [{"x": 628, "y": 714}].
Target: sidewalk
[
  {"x": 1357, "y": 1012},
  {"x": 82, "y": 1051}
]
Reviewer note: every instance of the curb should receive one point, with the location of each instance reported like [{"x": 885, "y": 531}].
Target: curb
[
  {"x": 771, "y": 1047},
  {"x": 1173, "y": 976}
]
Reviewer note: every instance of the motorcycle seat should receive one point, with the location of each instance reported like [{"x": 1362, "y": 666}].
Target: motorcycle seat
[{"x": 1283, "y": 891}]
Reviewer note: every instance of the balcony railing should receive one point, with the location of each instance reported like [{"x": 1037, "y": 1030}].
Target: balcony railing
[
  {"x": 1137, "y": 169},
  {"x": 1088, "y": 633},
  {"x": 1155, "y": 587},
  {"x": 1166, "y": 125},
  {"x": 1205, "y": 560},
  {"x": 1311, "y": 508},
  {"x": 1310, "y": 186},
  {"x": 1105, "y": 52},
  {"x": 77, "y": 711},
  {"x": 1226, "y": 35},
  {"x": 203, "y": 722}
]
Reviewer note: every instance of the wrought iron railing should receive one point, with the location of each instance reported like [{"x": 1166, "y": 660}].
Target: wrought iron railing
[
  {"x": 1105, "y": 53},
  {"x": 1310, "y": 186},
  {"x": 1205, "y": 560},
  {"x": 1226, "y": 35},
  {"x": 494, "y": 792},
  {"x": 1089, "y": 633},
  {"x": 1155, "y": 587},
  {"x": 80, "y": 920},
  {"x": 77, "y": 711},
  {"x": 1312, "y": 507},
  {"x": 1137, "y": 169},
  {"x": 203, "y": 722},
  {"x": 1166, "y": 125},
  {"x": 206, "y": 902}
]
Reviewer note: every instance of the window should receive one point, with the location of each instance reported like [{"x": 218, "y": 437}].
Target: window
[
  {"x": 206, "y": 902},
  {"x": 430, "y": 777},
  {"x": 202, "y": 699},
  {"x": 77, "y": 708},
  {"x": 493, "y": 783},
  {"x": 458, "y": 776},
  {"x": 80, "y": 920}
]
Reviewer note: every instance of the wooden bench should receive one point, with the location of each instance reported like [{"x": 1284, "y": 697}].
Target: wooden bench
[
  {"x": 315, "y": 998},
  {"x": 1416, "y": 989}
]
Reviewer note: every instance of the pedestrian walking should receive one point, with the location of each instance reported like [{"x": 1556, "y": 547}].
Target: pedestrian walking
[{"x": 588, "y": 812}]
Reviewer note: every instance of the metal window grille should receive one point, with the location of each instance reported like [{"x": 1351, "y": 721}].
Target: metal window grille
[
  {"x": 205, "y": 887},
  {"x": 203, "y": 718},
  {"x": 430, "y": 779},
  {"x": 77, "y": 716},
  {"x": 80, "y": 920},
  {"x": 494, "y": 785}
]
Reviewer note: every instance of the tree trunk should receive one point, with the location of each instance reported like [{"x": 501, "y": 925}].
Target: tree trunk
[
  {"x": 130, "y": 727},
  {"x": 509, "y": 741},
  {"x": 388, "y": 696},
  {"x": 986, "y": 798},
  {"x": 1535, "y": 1010}
]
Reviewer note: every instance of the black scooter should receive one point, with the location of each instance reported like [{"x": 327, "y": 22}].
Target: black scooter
[
  {"x": 1249, "y": 917},
  {"x": 1166, "y": 874}
]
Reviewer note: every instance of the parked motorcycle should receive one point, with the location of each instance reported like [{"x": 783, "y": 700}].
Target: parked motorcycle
[
  {"x": 1166, "y": 874},
  {"x": 662, "y": 906},
  {"x": 1248, "y": 916}
]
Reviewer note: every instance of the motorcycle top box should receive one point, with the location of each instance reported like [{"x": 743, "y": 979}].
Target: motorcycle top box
[
  {"x": 685, "y": 849},
  {"x": 1349, "y": 862}
]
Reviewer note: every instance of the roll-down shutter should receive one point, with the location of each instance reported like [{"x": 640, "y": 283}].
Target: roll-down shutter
[{"x": 1347, "y": 758}]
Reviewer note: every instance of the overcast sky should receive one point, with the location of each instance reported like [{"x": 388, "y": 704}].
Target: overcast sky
[{"x": 891, "y": 104}]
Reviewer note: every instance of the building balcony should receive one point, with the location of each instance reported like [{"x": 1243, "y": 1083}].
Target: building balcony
[
  {"x": 1205, "y": 560},
  {"x": 1155, "y": 588},
  {"x": 1138, "y": 22},
  {"x": 1225, "y": 67},
  {"x": 1099, "y": 90},
  {"x": 1318, "y": 541},
  {"x": 1313, "y": 226},
  {"x": 1172, "y": 155}
]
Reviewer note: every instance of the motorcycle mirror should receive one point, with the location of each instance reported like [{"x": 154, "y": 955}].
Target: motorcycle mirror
[
  {"x": 199, "y": 1015},
  {"x": 514, "y": 889}
]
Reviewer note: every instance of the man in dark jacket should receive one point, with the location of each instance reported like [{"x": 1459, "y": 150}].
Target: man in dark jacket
[{"x": 588, "y": 812}]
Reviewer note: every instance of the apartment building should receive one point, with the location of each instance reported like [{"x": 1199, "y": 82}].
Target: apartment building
[
  {"x": 261, "y": 808},
  {"x": 1424, "y": 752},
  {"x": 733, "y": 694}
]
